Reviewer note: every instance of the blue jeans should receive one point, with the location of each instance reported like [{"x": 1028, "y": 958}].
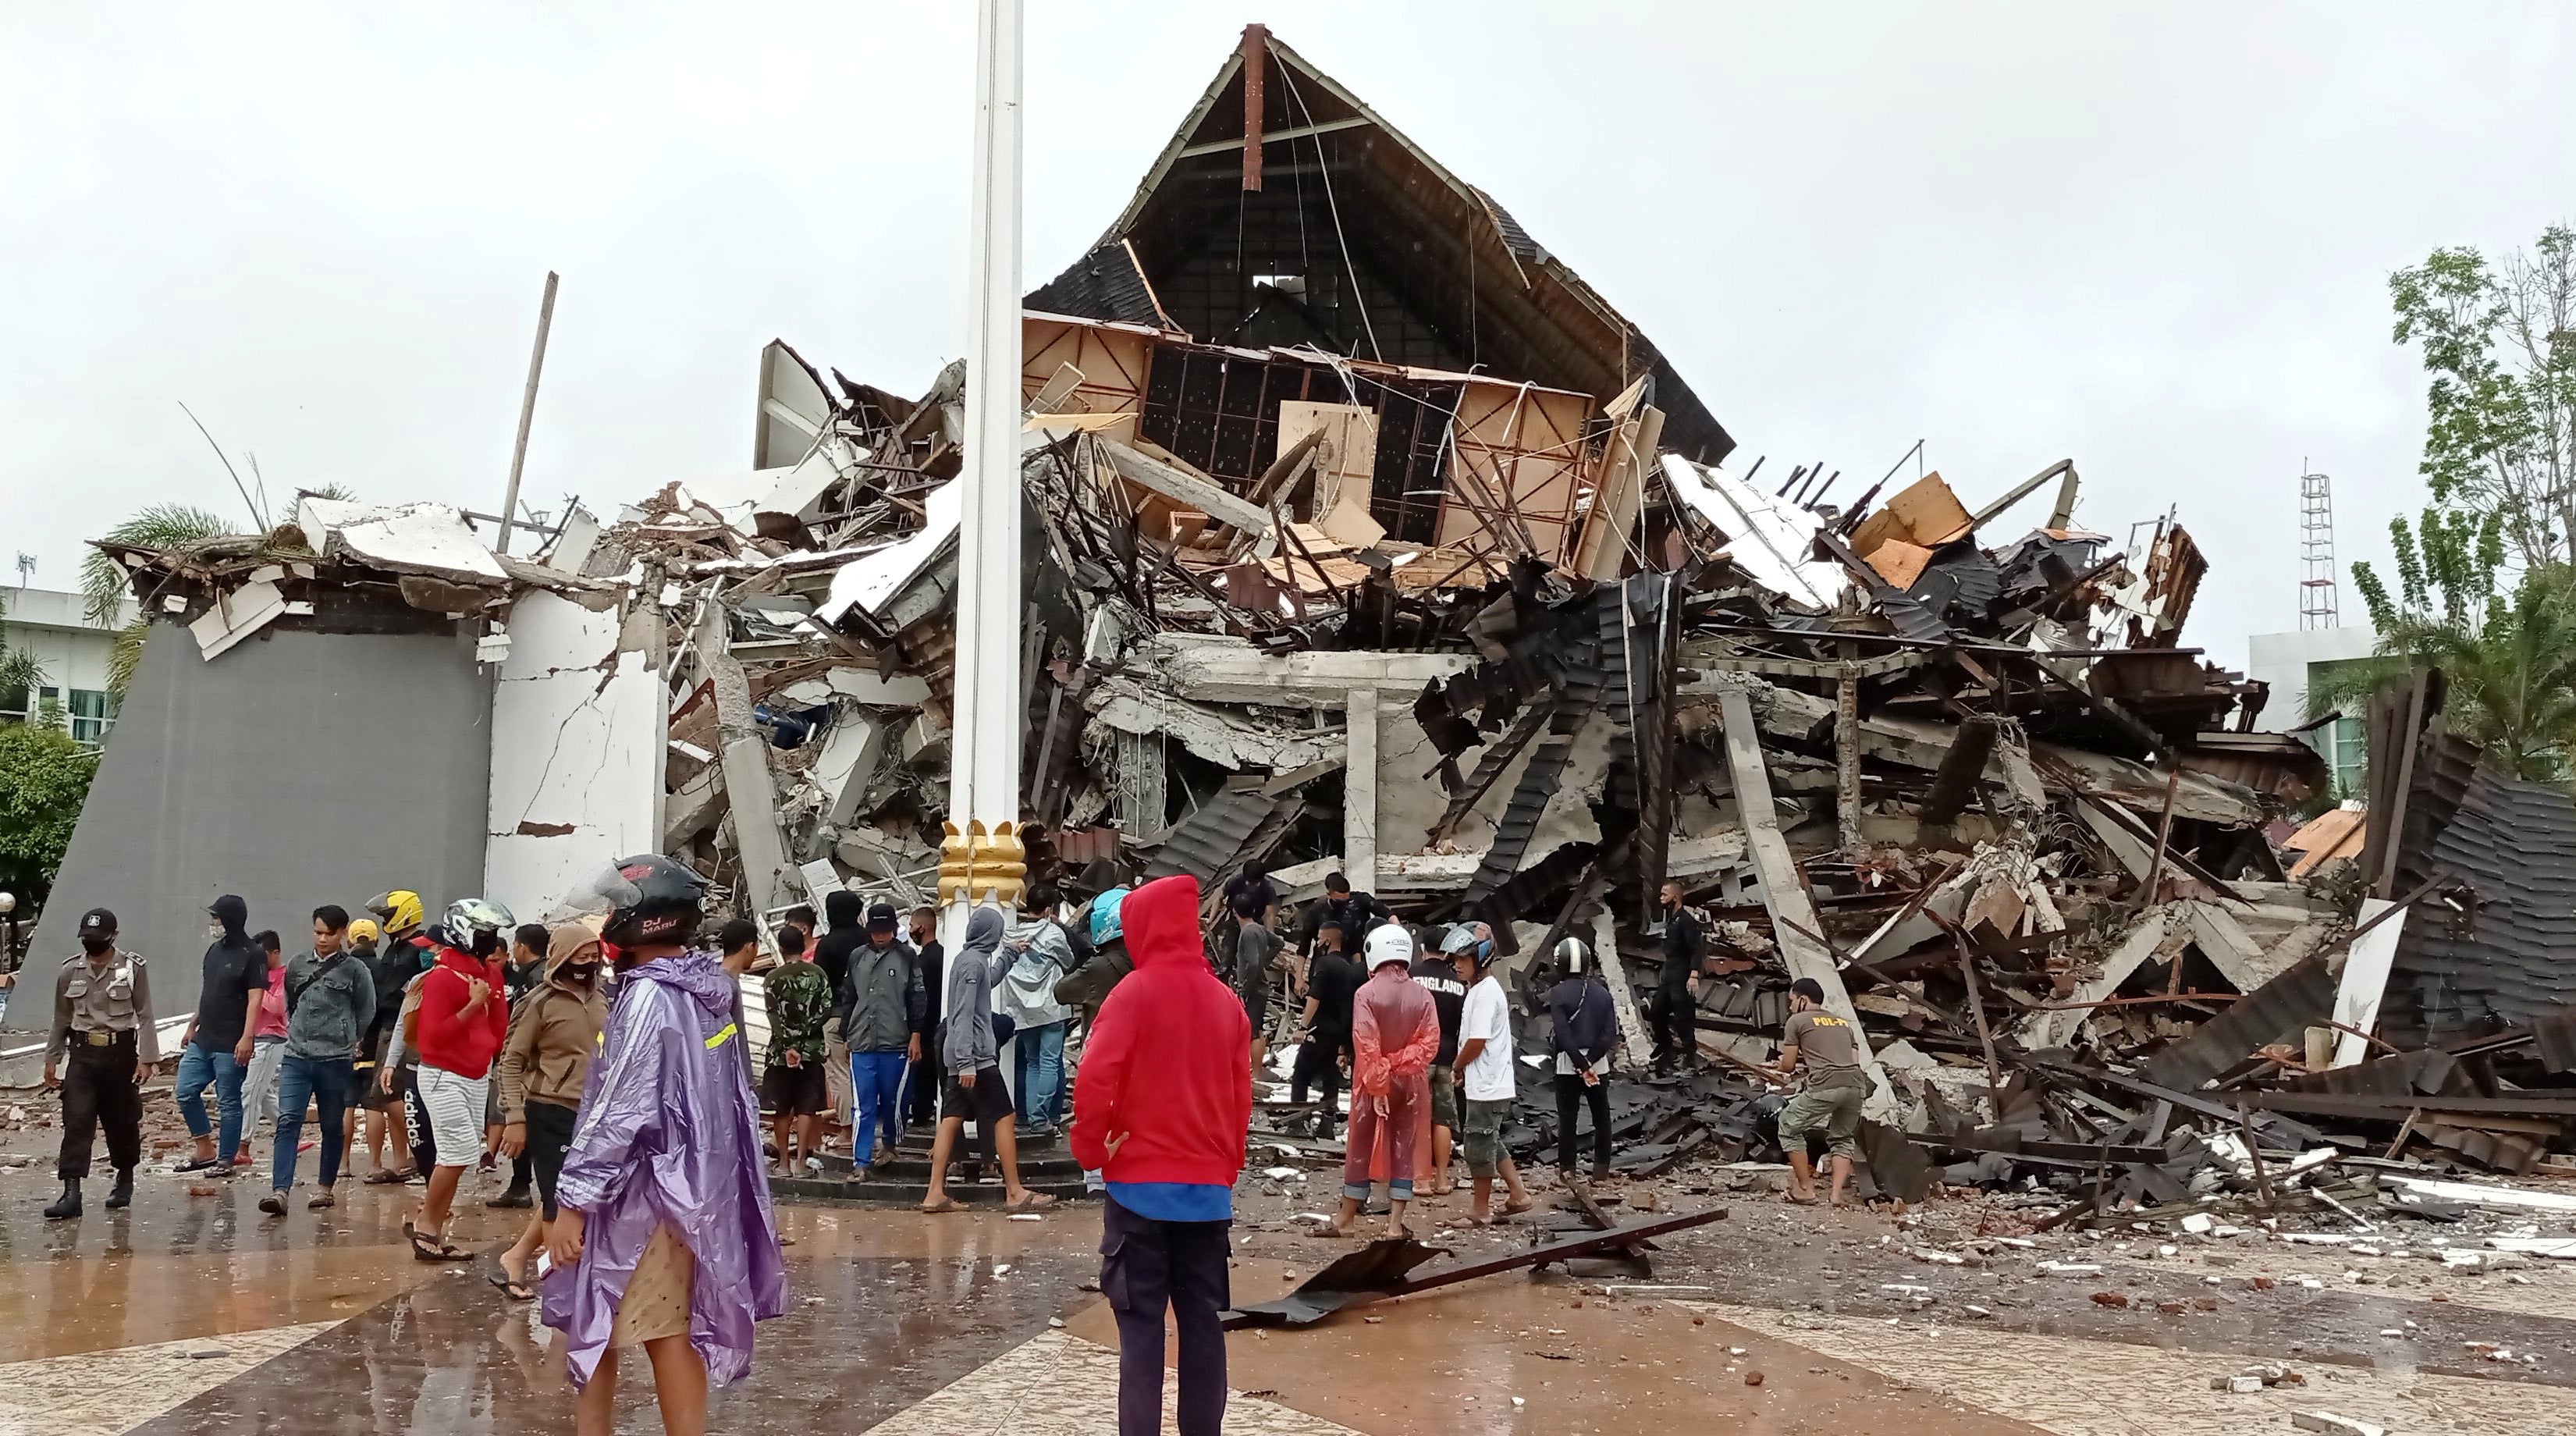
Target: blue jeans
[
  {"x": 199, "y": 1068},
  {"x": 322, "y": 1082},
  {"x": 1041, "y": 1074},
  {"x": 876, "y": 1081}
]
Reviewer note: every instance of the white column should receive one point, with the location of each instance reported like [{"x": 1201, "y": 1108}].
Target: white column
[
  {"x": 986, "y": 724},
  {"x": 1359, "y": 788}
]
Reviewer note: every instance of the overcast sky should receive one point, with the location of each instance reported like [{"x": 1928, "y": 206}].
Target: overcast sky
[{"x": 2154, "y": 238}]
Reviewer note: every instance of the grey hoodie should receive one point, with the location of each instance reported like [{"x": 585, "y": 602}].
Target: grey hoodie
[{"x": 966, "y": 1039}]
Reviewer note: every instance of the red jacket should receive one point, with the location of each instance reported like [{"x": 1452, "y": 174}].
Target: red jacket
[
  {"x": 1169, "y": 1059},
  {"x": 449, "y": 1040}
]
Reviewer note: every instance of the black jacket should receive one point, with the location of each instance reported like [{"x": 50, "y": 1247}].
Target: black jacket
[
  {"x": 848, "y": 933},
  {"x": 1586, "y": 1024},
  {"x": 1683, "y": 946}
]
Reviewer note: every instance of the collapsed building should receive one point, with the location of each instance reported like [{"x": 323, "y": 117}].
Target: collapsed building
[{"x": 1361, "y": 534}]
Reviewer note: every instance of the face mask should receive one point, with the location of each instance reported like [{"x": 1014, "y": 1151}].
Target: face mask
[
  {"x": 97, "y": 947},
  {"x": 581, "y": 971},
  {"x": 214, "y": 929}
]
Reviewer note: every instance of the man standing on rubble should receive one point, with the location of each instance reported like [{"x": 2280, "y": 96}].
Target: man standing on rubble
[
  {"x": 1357, "y": 914},
  {"x": 845, "y": 934},
  {"x": 1438, "y": 974},
  {"x": 1830, "y": 1101},
  {"x": 1395, "y": 1032},
  {"x": 1487, "y": 1081},
  {"x": 1332, "y": 980},
  {"x": 882, "y": 1007},
  {"x": 1256, "y": 952},
  {"x": 1677, "y": 987}
]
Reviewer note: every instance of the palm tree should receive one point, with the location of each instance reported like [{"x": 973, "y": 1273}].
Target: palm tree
[
  {"x": 20, "y": 671},
  {"x": 105, "y": 582},
  {"x": 2510, "y": 657}
]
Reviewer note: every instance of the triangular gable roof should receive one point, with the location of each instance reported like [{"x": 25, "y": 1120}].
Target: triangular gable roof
[{"x": 1442, "y": 268}]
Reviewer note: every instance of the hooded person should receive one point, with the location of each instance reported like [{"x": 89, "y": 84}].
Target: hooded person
[
  {"x": 664, "y": 1237},
  {"x": 1161, "y": 1112},
  {"x": 1587, "y": 1027},
  {"x": 845, "y": 933},
  {"x": 1033, "y": 963},
  {"x": 216, "y": 1049},
  {"x": 554, "y": 1032},
  {"x": 971, "y": 1052},
  {"x": 1395, "y": 1034}
]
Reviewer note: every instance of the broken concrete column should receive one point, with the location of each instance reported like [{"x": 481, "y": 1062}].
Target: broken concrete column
[
  {"x": 750, "y": 790},
  {"x": 1623, "y": 997},
  {"x": 1794, "y": 924},
  {"x": 1359, "y": 789}
]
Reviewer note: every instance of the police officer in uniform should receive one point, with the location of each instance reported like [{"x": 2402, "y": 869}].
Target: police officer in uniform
[{"x": 103, "y": 1014}]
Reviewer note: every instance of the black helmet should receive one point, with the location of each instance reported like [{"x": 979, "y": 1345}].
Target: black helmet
[{"x": 647, "y": 899}]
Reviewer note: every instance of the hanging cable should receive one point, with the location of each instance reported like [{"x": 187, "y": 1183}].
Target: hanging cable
[{"x": 1334, "y": 205}]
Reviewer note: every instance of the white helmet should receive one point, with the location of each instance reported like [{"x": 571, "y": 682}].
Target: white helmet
[
  {"x": 1572, "y": 955},
  {"x": 470, "y": 919},
  {"x": 1389, "y": 943}
]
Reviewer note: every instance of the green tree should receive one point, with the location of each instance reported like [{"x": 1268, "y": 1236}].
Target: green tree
[
  {"x": 2507, "y": 642},
  {"x": 44, "y": 777},
  {"x": 2499, "y": 340}
]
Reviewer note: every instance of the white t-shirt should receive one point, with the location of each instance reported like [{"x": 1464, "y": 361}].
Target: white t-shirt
[{"x": 1488, "y": 1014}]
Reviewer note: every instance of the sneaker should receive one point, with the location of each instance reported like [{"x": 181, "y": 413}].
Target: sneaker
[{"x": 274, "y": 1204}]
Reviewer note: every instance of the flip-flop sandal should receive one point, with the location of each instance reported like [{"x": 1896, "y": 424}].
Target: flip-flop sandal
[
  {"x": 1513, "y": 1209},
  {"x": 1800, "y": 1201},
  {"x": 383, "y": 1178},
  {"x": 425, "y": 1247},
  {"x": 942, "y": 1207},
  {"x": 1468, "y": 1221},
  {"x": 1031, "y": 1202},
  {"x": 514, "y": 1290}
]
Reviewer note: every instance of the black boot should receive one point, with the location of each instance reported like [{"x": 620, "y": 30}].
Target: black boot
[
  {"x": 515, "y": 1197},
  {"x": 121, "y": 1196},
  {"x": 68, "y": 1204}
]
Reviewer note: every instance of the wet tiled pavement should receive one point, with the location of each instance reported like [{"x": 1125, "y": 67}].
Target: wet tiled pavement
[{"x": 193, "y": 1314}]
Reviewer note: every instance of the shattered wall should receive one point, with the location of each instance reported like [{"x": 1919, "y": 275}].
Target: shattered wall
[
  {"x": 297, "y": 769},
  {"x": 577, "y": 740}
]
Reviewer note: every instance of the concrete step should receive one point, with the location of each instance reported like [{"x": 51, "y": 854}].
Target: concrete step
[{"x": 829, "y": 1191}]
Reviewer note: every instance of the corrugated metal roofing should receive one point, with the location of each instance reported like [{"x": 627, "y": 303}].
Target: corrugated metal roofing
[{"x": 2509, "y": 958}]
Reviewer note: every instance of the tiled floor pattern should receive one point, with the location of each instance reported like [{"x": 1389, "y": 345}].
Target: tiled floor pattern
[
  {"x": 1062, "y": 1385},
  {"x": 2106, "y": 1388},
  {"x": 105, "y": 1393}
]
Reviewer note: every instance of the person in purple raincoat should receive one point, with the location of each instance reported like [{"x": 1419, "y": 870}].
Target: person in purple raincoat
[{"x": 666, "y": 1239}]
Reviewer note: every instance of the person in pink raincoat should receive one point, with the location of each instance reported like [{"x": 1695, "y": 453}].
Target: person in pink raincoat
[
  {"x": 1395, "y": 1032},
  {"x": 666, "y": 1239}
]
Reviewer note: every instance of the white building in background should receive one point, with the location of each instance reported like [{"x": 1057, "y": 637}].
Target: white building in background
[
  {"x": 2288, "y": 661},
  {"x": 72, "y": 653}
]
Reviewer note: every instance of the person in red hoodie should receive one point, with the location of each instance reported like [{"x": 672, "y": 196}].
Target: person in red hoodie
[
  {"x": 1160, "y": 1111},
  {"x": 459, "y": 1028}
]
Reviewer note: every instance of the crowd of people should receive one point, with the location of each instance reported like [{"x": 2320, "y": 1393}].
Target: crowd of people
[{"x": 604, "y": 1057}]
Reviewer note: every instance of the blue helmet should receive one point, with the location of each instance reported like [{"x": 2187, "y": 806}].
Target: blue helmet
[{"x": 1104, "y": 916}]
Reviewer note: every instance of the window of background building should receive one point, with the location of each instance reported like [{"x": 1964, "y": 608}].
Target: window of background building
[
  {"x": 2344, "y": 743},
  {"x": 93, "y": 713}
]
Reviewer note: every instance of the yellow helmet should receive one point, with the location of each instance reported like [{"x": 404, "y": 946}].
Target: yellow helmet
[{"x": 399, "y": 909}]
